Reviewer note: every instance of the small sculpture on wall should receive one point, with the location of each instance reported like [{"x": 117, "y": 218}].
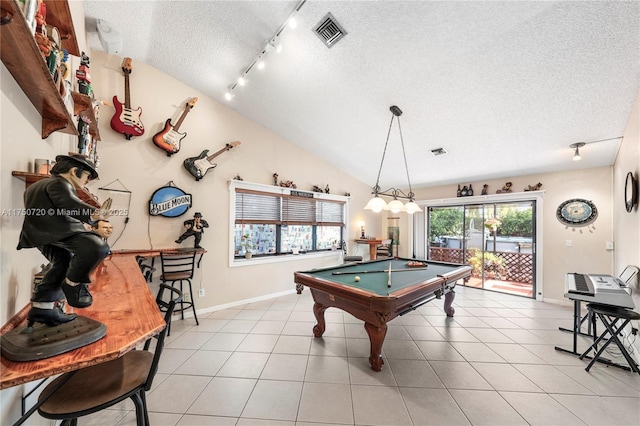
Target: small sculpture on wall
[
  {"x": 195, "y": 228},
  {"x": 535, "y": 187},
  {"x": 237, "y": 177},
  {"x": 485, "y": 189},
  {"x": 505, "y": 189}
]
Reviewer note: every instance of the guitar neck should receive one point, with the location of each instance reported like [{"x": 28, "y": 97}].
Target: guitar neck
[
  {"x": 181, "y": 119},
  {"x": 127, "y": 97},
  {"x": 215, "y": 154}
]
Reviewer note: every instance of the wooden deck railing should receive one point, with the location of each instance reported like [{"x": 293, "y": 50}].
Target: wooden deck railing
[{"x": 519, "y": 265}]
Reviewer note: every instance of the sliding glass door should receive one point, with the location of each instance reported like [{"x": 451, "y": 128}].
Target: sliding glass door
[{"x": 497, "y": 239}]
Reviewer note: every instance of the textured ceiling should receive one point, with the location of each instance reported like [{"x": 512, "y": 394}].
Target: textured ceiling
[{"x": 504, "y": 87}]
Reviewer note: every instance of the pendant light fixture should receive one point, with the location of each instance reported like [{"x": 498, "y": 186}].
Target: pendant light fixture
[{"x": 377, "y": 204}]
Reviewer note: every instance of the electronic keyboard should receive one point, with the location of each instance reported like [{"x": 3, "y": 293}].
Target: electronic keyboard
[{"x": 598, "y": 288}]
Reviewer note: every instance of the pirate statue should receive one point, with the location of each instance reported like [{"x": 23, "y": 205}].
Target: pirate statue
[
  {"x": 61, "y": 236},
  {"x": 195, "y": 227}
]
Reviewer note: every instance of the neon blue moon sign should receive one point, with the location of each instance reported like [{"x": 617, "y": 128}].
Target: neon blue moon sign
[{"x": 169, "y": 201}]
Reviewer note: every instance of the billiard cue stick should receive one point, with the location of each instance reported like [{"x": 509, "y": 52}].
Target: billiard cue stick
[
  {"x": 376, "y": 271},
  {"x": 389, "y": 280}
]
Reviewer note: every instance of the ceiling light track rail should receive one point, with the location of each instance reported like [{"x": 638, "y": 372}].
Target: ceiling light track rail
[{"x": 271, "y": 45}]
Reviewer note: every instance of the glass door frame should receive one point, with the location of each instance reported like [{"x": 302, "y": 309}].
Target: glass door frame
[{"x": 421, "y": 243}]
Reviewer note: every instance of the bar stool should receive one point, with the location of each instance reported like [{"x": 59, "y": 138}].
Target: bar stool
[
  {"x": 610, "y": 316},
  {"x": 178, "y": 268},
  {"x": 345, "y": 257}
]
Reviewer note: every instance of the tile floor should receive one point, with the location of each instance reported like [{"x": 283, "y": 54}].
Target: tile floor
[{"x": 494, "y": 363}]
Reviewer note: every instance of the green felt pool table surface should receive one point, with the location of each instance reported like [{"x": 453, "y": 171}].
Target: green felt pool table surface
[{"x": 374, "y": 276}]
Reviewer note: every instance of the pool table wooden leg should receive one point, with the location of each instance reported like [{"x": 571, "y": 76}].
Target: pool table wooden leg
[
  {"x": 448, "y": 300},
  {"x": 318, "y": 311},
  {"x": 376, "y": 337}
]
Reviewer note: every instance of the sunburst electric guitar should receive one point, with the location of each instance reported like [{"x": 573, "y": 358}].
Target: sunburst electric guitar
[
  {"x": 200, "y": 165},
  {"x": 126, "y": 120},
  {"x": 169, "y": 138}
]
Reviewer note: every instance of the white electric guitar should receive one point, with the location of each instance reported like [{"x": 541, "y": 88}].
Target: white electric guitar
[{"x": 200, "y": 165}]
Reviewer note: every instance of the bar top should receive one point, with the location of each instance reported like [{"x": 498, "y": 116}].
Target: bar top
[{"x": 121, "y": 300}]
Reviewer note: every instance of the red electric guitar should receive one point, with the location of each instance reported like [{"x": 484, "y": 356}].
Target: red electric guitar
[
  {"x": 200, "y": 165},
  {"x": 126, "y": 120},
  {"x": 168, "y": 139}
]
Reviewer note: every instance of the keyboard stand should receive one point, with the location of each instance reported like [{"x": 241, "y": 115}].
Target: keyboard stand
[
  {"x": 577, "y": 324},
  {"x": 610, "y": 316}
]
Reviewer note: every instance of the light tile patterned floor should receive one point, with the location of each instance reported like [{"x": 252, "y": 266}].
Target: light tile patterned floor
[{"x": 494, "y": 363}]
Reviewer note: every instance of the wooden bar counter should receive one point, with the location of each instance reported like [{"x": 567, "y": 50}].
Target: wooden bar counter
[{"x": 121, "y": 300}]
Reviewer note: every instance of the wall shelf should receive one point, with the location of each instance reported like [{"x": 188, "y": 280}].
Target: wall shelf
[
  {"x": 31, "y": 178},
  {"x": 21, "y": 55}
]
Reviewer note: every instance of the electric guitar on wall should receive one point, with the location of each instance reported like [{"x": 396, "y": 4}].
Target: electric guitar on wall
[
  {"x": 200, "y": 165},
  {"x": 125, "y": 120},
  {"x": 168, "y": 139}
]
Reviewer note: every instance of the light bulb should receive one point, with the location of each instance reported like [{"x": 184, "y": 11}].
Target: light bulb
[
  {"x": 293, "y": 23},
  {"x": 228, "y": 96},
  {"x": 376, "y": 204},
  {"x": 412, "y": 207},
  {"x": 242, "y": 81},
  {"x": 395, "y": 206},
  {"x": 260, "y": 64},
  {"x": 279, "y": 48}
]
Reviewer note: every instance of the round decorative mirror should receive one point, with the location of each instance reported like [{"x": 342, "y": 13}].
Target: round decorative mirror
[{"x": 630, "y": 192}]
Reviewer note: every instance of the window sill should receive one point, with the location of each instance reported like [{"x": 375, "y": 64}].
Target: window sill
[{"x": 234, "y": 263}]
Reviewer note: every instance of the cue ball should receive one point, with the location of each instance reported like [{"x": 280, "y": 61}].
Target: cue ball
[{"x": 357, "y": 278}]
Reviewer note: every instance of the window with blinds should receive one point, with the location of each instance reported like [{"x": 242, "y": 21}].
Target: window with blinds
[{"x": 275, "y": 223}]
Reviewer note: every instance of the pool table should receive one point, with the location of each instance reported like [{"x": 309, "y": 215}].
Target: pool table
[{"x": 363, "y": 290}]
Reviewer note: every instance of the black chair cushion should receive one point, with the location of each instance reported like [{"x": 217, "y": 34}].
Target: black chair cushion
[{"x": 93, "y": 387}]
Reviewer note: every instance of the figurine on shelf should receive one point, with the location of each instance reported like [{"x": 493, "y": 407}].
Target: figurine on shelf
[
  {"x": 505, "y": 189},
  {"x": 84, "y": 138},
  {"x": 83, "y": 76},
  {"x": 195, "y": 227},
  {"x": 535, "y": 187},
  {"x": 316, "y": 188},
  {"x": 326, "y": 189},
  {"x": 485, "y": 189},
  {"x": 275, "y": 179},
  {"x": 60, "y": 235},
  {"x": 288, "y": 184}
]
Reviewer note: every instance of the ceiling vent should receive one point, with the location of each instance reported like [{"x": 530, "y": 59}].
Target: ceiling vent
[
  {"x": 329, "y": 30},
  {"x": 438, "y": 151}
]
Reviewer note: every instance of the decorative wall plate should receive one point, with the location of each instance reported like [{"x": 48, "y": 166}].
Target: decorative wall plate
[
  {"x": 577, "y": 212},
  {"x": 630, "y": 192}
]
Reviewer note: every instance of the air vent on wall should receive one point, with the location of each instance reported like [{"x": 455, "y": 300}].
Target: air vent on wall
[
  {"x": 329, "y": 30},
  {"x": 438, "y": 151}
]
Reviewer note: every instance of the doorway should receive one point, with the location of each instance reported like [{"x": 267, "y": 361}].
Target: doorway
[{"x": 498, "y": 239}]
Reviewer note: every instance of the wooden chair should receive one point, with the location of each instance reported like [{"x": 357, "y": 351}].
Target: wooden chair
[
  {"x": 92, "y": 389},
  {"x": 179, "y": 268},
  {"x": 384, "y": 249},
  {"x": 346, "y": 258}
]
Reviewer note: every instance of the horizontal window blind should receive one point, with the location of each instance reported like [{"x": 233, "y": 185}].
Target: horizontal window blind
[
  {"x": 256, "y": 207},
  {"x": 263, "y": 207},
  {"x": 330, "y": 213}
]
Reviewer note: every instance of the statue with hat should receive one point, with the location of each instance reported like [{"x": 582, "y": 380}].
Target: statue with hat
[
  {"x": 195, "y": 227},
  {"x": 57, "y": 229}
]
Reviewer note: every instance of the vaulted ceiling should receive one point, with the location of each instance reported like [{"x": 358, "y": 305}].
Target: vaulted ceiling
[{"x": 503, "y": 87}]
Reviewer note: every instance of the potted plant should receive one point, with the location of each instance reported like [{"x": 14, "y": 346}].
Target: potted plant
[{"x": 248, "y": 245}]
